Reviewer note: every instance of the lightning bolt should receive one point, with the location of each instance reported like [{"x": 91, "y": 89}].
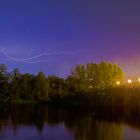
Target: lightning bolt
[{"x": 32, "y": 59}]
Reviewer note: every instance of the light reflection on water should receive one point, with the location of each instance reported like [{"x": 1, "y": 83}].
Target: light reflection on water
[{"x": 47, "y": 123}]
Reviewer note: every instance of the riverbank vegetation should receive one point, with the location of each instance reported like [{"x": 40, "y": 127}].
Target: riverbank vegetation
[
  {"x": 17, "y": 86},
  {"x": 94, "y": 85}
]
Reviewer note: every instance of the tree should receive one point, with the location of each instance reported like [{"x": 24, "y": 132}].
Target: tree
[
  {"x": 41, "y": 87},
  {"x": 3, "y": 73},
  {"x": 56, "y": 86},
  {"x": 4, "y": 85},
  {"x": 26, "y": 85},
  {"x": 100, "y": 75},
  {"x": 80, "y": 76},
  {"x": 15, "y": 83}
]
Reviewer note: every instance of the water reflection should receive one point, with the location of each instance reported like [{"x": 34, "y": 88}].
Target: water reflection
[{"x": 51, "y": 123}]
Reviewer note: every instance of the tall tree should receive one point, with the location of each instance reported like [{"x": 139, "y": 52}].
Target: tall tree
[
  {"x": 56, "y": 86},
  {"x": 100, "y": 75},
  {"x": 4, "y": 82},
  {"x": 15, "y": 83},
  {"x": 41, "y": 87}
]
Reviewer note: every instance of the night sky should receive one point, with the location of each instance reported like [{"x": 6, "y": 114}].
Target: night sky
[{"x": 54, "y": 35}]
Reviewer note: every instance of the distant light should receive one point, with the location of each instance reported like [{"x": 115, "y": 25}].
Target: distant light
[
  {"x": 139, "y": 79},
  {"x": 90, "y": 87},
  {"x": 118, "y": 82},
  {"x": 129, "y": 81}
]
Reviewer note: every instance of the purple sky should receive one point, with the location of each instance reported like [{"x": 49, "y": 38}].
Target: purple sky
[{"x": 67, "y": 32}]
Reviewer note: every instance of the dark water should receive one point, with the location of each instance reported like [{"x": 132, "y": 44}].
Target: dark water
[{"x": 34, "y": 122}]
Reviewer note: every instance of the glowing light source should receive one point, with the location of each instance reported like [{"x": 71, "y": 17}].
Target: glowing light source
[
  {"x": 139, "y": 79},
  {"x": 118, "y": 82},
  {"x": 90, "y": 87},
  {"x": 129, "y": 81}
]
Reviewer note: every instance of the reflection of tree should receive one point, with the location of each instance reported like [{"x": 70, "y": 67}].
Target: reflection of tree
[
  {"x": 28, "y": 115},
  {"x": 109, "y": 131},
  {"x": 4, "y": 115},
  {"x": 89, "y": 129},
  {"x": 84, "y": 125}
]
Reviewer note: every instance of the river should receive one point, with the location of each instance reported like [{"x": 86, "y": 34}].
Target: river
[{"x": 40, "y": 122}]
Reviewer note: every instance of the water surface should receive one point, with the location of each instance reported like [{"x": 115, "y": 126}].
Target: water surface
[{"x": 34, "y": 122}]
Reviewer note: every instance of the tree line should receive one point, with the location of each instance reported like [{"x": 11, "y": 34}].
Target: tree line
[{"x": 15, "y": 86}]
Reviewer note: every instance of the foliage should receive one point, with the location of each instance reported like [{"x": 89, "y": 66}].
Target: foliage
[
  {"x": 91, "y": 75},
  {"x": 15, "y": 86}
]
